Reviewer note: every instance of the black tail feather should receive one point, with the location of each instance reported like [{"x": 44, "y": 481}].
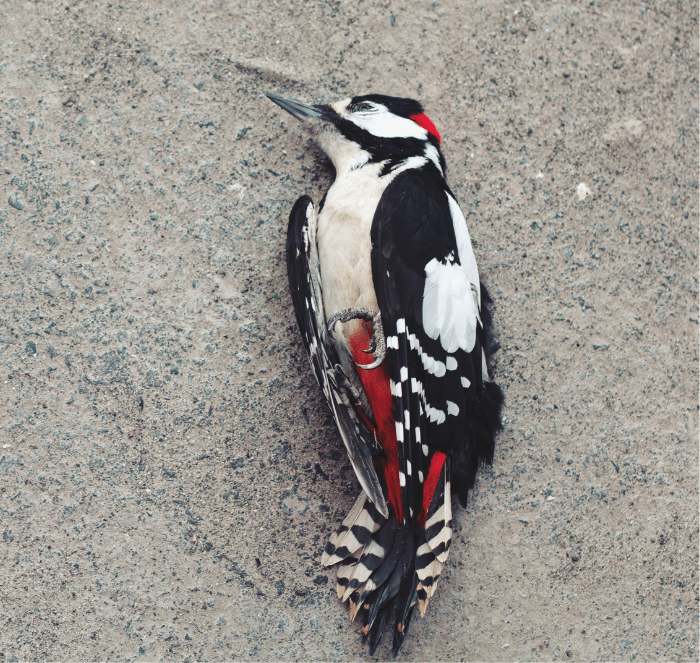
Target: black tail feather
[
  {"x": 377, "y": 630},
  {"x": 404, "y": 605}
]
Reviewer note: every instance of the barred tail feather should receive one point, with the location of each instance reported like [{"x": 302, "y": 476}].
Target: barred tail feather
[
  {"x": 438, "y": 524},
  {"x": 386, "y": 569},
  {"x": 428, "y": 569},
  {"x": 363, "y": 520},
  {"x": 373, "y": 554}
]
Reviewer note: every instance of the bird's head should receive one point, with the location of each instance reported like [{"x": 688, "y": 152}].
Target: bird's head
[{"x": 371, "y": 128}]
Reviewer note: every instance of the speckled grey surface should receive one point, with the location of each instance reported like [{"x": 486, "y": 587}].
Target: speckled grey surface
[{"x": 169, "y": 472}]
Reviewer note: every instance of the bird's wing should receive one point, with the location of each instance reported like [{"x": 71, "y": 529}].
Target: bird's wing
[
  {"x": 305, "y": 285},
  {"x": 427, "y": 287}
]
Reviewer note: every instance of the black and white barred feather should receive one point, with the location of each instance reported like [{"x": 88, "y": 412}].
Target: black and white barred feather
[{"x": 307, "y": 296}]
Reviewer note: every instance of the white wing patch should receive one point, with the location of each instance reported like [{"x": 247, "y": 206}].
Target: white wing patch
[
  {"x": 449, "y": 306},
  {"x": 451, "y": 298}
]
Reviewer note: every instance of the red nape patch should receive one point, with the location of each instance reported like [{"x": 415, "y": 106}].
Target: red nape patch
[
  {"x": 431, "y": 481},
  {"x": 376, "y": 384},
  {"x": 424, "y": 121}
]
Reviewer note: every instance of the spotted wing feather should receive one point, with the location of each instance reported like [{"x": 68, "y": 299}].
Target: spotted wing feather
[
  {"x": 424, "y": 272},
  {"x": 307, "y": 294}
]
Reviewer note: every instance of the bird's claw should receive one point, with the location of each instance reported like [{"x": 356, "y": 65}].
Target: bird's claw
[
  {"x": 377, "y": 345},
  {"x": 372, "y": 347},
  {"x": 375, "y": 364}
]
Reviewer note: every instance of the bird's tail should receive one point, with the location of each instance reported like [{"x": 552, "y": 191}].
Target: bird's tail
[{"x": 386, "y": 569}]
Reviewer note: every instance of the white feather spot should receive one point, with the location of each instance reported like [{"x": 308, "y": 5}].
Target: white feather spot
[
  {"x": 415, "y": 386},
  {"x": 417, "y": 434},
  {"x": 392, "y": 342},
  {"x": 452, "y": 408},
  {"x": 433, "y": 366},
  {"x": 402, "y": 479},
  {"x": 451, "y": 364},
  {"x": 401, "y": 326},
  {"x": 425, "y": 449},
  {"x": 465, "y": 383},
  {"x": 408, "y": 467},
  {"x": 404, "y": 373},
  {"x": 435, "y": 415},
  {"x": 420, "y": 476},
  {"x": 406, "y": 419},
  {"x": 411, "y": 162},
  {"x": 415, "y": 344},
  {"x": 399, "y": 431}
]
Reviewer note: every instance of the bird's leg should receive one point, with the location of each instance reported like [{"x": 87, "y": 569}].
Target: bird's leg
[{"x": 377, "y": 345}]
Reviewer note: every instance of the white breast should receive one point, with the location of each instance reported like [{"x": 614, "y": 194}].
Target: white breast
[
  {"x": 344, "y": 227},
  {"x": 344, "y": 245}
]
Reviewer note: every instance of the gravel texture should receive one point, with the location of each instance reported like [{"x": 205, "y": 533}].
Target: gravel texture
[{"x": 169, "y": 471}]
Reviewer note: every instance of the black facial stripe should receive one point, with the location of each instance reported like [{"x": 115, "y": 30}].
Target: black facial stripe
[{"x": 391, "y": 150}]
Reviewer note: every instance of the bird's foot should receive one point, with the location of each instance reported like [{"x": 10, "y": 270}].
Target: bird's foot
[
  {"x": 377, "y": 344},
  {"x": 348, "y": 392}
]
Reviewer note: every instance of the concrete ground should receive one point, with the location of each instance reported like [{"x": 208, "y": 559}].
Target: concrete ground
[{"x": 169, "y": 471}]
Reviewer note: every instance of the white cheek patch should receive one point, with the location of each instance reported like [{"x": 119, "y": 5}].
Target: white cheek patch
[{"x": 384, "y": 124}]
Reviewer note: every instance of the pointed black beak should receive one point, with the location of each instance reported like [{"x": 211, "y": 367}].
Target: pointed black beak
[{"x": 300, "y": 110}]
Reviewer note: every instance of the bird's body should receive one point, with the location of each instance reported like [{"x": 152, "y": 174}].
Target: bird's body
[
  {"x": 346, "y": 220},
  {"x": 387, "y": 295}
]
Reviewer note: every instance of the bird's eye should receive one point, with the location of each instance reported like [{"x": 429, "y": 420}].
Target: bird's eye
[{"x": 363, "y": 106}]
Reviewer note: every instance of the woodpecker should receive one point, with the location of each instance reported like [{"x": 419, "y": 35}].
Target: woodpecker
[{"x": 396, "y": 324}]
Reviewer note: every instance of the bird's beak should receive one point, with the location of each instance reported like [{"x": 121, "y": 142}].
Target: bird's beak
[{"x": 300, "y": 110}]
